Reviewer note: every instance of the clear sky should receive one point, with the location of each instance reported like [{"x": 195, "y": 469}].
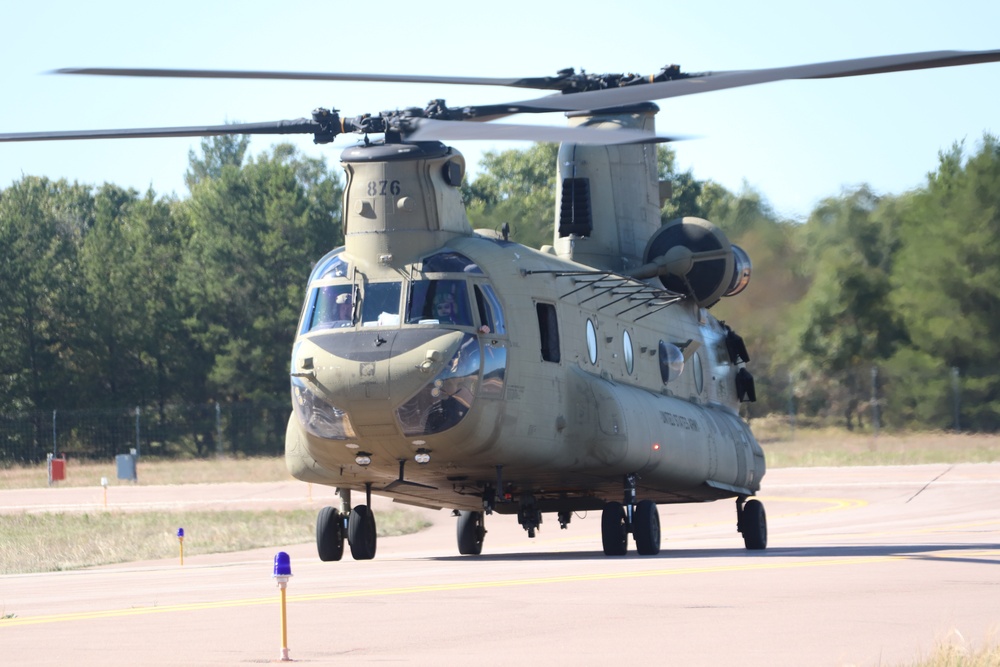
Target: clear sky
[{"x": 795, "y": 142}]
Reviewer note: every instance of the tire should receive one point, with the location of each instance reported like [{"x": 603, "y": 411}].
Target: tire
[
  {"x": 361, "y": 533},
  {"x": 646, "y": 528},
  {"x": 329, "y": 534},
  {"x": 471, "y": 531},
  {"x": 753, "y": 525},
  {"x": 613, "y": 530}
]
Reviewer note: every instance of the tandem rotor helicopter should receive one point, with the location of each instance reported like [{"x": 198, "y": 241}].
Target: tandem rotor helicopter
[{"x": 447, "y": 367}]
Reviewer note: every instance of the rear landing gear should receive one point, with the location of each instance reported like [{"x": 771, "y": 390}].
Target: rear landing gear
[
  {"x": 751, "y": 521},
  {"x": 620, "y": 519},
  {"x": 471, "y": 531}
]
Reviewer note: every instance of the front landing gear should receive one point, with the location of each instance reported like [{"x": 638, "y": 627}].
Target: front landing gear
[
  {"x": 751, "y": 521},
  {"x": 620, "y": 519},
  {"x": 357, "y": 526}
]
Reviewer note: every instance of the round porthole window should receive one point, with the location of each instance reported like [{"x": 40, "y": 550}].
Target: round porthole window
[
  {"x": 699, "y": 381},
  {"x": 592, "y": 341},
  {"x": 627, "y": 349},
  {"x": 671, "y": 361}
]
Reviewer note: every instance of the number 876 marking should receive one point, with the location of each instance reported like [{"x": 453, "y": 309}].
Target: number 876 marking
[{"x": 382, "y": 188}]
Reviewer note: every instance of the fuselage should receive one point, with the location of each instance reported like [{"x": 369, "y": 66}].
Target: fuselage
[{"x": 443, "y": 367}]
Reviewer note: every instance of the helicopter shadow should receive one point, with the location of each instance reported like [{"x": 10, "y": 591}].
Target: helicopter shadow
[{"x": 960, "y": 553}]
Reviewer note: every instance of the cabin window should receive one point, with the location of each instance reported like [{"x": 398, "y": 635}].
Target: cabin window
[
  {"x": 591, "y": 341},
  {"x": 438, "y": 302},
  {"x": 699, "y": 380},
  {"x": 548, "y": 328},
  {"x": 330, "y": 307},
  {"x": 628, "y": 352},
  {"x": 490, "y": 312},
  {"x": 671, "y": 362},
  {"x": 380, "y": 304}
]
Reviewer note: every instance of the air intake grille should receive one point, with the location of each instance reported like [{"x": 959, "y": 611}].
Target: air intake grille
[{"x": 574, "y": 209}]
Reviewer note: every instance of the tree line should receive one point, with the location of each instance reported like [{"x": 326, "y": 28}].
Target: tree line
[{"x": 112, "y": 298}]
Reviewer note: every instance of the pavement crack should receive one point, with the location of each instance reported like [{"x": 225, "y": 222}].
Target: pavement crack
[{"x": 943, "y": 473}]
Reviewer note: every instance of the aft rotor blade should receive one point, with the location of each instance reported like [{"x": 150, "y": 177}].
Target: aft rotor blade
[
  {"x": 540, "y": 82},
  {"x": 425, "y": 129},
  {"x": 708, "y": 82},
  {"x": 300, "y": 126}
]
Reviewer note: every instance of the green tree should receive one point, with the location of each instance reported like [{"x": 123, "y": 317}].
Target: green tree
[
  {"x": 41, "y": 226},
  {"x": 129, "y": 261},
  {"x": 216, "y": 154},
  {"x": 517, "y": 187},
  {"x": 845, "y": 323},
  {"x": 945, "y": 280},
  {"x": 253, "y": 235}
]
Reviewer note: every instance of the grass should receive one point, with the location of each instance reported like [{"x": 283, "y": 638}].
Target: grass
[
  {"x": 959, "y": 655},
  {"x": 152, "y": 471},
  {"x": 52, "y": 542},
  {"x": 786, "y": 447}
]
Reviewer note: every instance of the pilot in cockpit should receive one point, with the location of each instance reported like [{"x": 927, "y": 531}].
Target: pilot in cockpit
[{"x": 445, "y": 309}]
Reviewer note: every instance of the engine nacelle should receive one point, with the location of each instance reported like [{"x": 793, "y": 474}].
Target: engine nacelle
[{"x": 692, "y": 256}]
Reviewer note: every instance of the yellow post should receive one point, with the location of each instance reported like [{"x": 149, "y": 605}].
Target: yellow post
[
  {"x": 180, "y": 539},
  {"x": 284, "y": 624}
]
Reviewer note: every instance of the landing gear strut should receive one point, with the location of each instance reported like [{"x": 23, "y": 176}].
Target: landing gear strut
[{"x": 620, "y": 519}]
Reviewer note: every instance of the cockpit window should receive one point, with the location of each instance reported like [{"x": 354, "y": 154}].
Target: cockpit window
[
  {"x": 450, "y": 262},
  {"x": 438, "y": 302},
  {"x": 332, "y": 306},
  {"x": 380, "y": 304},
  {"x": 332, "y": 265},
  {"x": 490, "y": 312}
]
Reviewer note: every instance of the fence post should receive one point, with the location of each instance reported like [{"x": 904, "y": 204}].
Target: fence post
[
  {"x": 137, "y": 431},
  {"x": 218, "y": 430},
  {"x": 956, "y": 395},
  {"x": 875, "y": 415}
]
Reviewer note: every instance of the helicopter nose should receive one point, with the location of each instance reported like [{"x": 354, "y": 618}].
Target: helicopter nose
[{"x": 367, "y": 375}]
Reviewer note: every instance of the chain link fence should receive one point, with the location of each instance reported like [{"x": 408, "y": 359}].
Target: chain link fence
[{"x": 252, "y": 428}]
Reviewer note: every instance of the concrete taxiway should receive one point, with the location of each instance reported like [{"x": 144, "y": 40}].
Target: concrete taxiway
[{"x": 865, "y": 566}]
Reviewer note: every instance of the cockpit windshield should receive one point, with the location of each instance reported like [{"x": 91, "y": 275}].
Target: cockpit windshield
[{"x": 439, "y": 302}]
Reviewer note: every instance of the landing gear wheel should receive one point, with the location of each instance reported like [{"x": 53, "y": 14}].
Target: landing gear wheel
[
  {"x": 329, "y": 534},
  {"x": 753, "y": 524},
  {"x": 361, "y": 533},
  {"x": 471, "y": 532},
  {"x": 646, "y": 528},
  {"x": 614, "y": 529}
]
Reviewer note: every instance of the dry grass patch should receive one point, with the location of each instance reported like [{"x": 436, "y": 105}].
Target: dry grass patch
[
  {"x": 786, "y": 447},
  {"x": 51, "y": 542},
  {"x": 152, "y": 471}
]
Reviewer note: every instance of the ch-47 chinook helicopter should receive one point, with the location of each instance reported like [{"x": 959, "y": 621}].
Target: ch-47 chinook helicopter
[{"x": 448, "y": 367}]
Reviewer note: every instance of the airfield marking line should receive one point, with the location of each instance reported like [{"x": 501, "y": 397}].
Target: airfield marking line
[{"x": 443, "y": 587}]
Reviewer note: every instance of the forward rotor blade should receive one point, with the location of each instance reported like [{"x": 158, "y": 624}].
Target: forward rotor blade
[
  {"x": 306, "y": 76},
  {"x": 708, "y": 82},
  {"x": 300, "y": 126},
  {"x": 426, "y": 129}
]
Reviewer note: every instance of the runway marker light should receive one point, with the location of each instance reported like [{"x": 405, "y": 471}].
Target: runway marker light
[
  {"x": 180, "y": 539},
  {"x": 104, "y": 483},
  {"x": 282, "y": 572}
]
